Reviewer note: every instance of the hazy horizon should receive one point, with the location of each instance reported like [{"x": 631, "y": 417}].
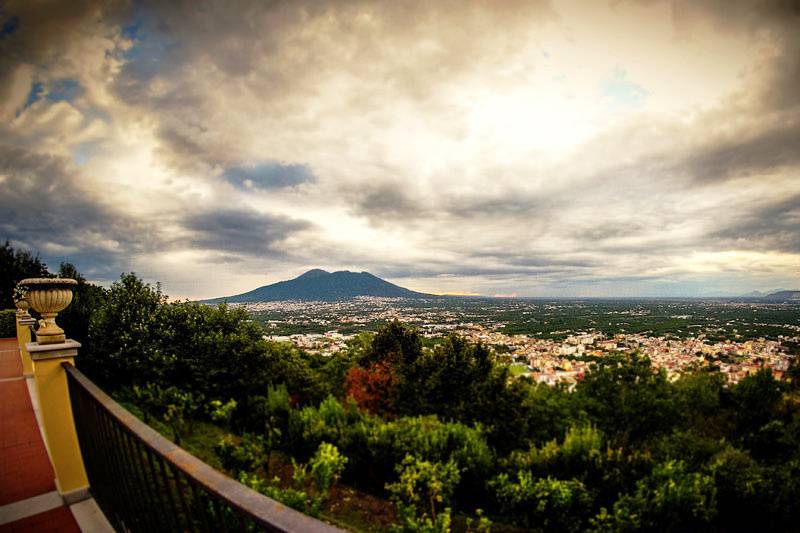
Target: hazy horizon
[{"x": 536, "y": 149}]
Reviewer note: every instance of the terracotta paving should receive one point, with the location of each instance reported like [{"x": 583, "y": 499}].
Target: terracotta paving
[
  {"x": 58, "y": 520},
  {"x": 10, "y": 363},
  {"x": 25, "y": 469}
]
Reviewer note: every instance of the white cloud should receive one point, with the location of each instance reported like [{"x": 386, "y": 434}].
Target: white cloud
[{"x": 513, "y": 147}]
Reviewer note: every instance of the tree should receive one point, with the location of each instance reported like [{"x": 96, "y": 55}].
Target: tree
[
  {"x": 544, "y": 503},
  {"x": 423, "y": 493},
  {"x": 86, "y": 299},
  {"x": 670, "y": 499},
  {"x": 16, "y": 265},
  {"x": 755, "y": 400},
  {"x": 124, "y": 336},
  {"x": 327, "y": 466},
  {"x": 627, "y": 398},
  {"x": 374, "y": 388}
]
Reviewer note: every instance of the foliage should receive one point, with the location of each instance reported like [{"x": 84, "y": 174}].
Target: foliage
[
  {"x": 327, "y": 466},
  {"x": 456, "y": 380},
  {"x": 8, "y": 323},
  {"x": 19, "y": 293},
  {"x": 755, "y": 400},
  {"x": 294, "y": 497},
  {"x": 423, "y": 494},
  {"x": 247, "y": 453},
  {"x": 546, "y": 503},
  {"x": 123, "y": 333},
  {"x": 175, "y": 407},
  {"x": 670, "y": 499},
  {"x": 86, "y": 298},
  {"x": 628, "y": 400},
  {"x": 220, "y": 412},
  {"x": 16, "y": 265},
  {"x": 626, "y": 449},
  {"x": 373, "y": 388},
  {"x": 307, "y": 492},
  {"x": 479, "y": 524}
]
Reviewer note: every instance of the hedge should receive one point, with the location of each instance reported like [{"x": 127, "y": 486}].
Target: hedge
[{"x": 8, "y": 325}]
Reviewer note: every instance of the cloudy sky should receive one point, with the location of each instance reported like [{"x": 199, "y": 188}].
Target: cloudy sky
[{"x": 532, "y": 148}]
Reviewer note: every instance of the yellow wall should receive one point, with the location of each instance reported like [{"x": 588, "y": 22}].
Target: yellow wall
[
  {"x": 24, "y": 337},
  {"x": 59, "y": 427}
]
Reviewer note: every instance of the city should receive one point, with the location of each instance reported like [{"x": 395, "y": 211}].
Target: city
[{"x": 723, "y": 334}]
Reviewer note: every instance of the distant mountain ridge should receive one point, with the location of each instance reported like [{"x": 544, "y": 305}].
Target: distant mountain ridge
[
  {"x": 778, "y": 296},
  {"x": 320, "y": 285},
  {"x": 783, "y": 296}
]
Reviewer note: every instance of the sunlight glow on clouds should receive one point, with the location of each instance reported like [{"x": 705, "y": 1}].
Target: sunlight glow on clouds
[{"x": 536, "y": 148}]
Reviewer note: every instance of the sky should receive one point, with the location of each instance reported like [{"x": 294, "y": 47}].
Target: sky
[{"x": 528, "y": 148}]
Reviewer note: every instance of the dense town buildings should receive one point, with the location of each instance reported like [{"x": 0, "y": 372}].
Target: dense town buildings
[{"x": 558, "y": 356}]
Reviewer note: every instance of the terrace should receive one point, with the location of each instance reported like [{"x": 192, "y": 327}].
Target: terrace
[{"x": 72, "y": 459}]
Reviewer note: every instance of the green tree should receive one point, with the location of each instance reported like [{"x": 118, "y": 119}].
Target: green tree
[
  {"x": 423, "y": 493},
  {"x": 628, "y": 399},
  {"x": 16, "y": 265},
  {"x": 327, "y": 466},
  {"x": 124, "y": 343},
  {"x": 755, "y": 400},
  {"x": 670, "y": 499},
  {"x": 545, "y": 504},
  {"x": 86, "y": 299}
]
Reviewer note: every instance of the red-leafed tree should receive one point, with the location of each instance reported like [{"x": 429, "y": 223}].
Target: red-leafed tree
[{"x": 374, "y": 388}]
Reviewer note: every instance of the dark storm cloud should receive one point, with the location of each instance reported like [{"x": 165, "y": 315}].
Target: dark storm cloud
[
  {"x": 38, "y": 32},
  {"x": 240, "y": 231},
  {"x": 181, "y": 148},
  {"x": 458, "y": 270},
  {"x": 532, "y": 261},
  {"x": 762, "y": 153},
  {"x": 386, "y": 201},
  {"x": 36, "y": 35},
  {"x": 608, "y": 230},
  {"x": 44, "y": 207},
  {"x": 774, "y": 227},
  {"x": 777, "y": 19},
  {"x": 510, "y": 203},
  {"x": 269, "y": 175}
]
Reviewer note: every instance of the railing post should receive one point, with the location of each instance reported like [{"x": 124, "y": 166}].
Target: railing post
[
  {"x": 48, "y": 296},
  {"x": 56, "y": 411},
  {"x": 24, "y": 323}
]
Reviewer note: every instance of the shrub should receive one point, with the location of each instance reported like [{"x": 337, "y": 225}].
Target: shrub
[
  {"x": 670, "y": 499},
  {"x": 245, "y": 454},
  {"x": 221, "y": 412},
  {"x": 423, "y": 493},
  {"x": 177, "y": 408},
  {"x": 552, "y": 504},
  {"x": 8, "y": 324},
  {"x": 326, "y": 467},
  {"x": 294, "y": 497},
  {"x": 430, "y": 439}
]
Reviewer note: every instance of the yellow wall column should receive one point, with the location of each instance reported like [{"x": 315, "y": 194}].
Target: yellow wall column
[
  {"x": 56, "y": 411},
  {"x": 24, "y": 324}
]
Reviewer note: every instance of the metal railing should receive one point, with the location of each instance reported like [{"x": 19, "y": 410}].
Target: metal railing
[{"x": 144, "y": 482}]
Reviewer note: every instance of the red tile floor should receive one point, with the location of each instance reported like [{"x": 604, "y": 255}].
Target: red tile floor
[{"x": 25, "y": 469}]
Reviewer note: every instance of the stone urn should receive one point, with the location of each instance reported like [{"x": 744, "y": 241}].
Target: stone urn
[
  {"x": 49, "y": 296},
  {"x": 22, "y": 307}
]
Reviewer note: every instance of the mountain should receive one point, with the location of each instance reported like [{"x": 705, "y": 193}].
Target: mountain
[
  {"x": 320, "y": 285},
  {"x": 754, "y": 294},
  {"x": 783, "y": 296}
]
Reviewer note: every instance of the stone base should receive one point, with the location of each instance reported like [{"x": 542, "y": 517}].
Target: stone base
[
  {"x": 50, "y": 338},
  {"x": 74, "y": 496},
  {"x": 39, "y": 351}
]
